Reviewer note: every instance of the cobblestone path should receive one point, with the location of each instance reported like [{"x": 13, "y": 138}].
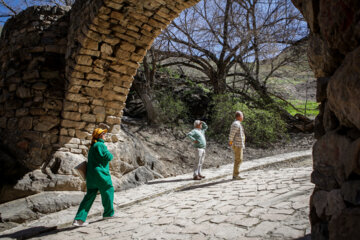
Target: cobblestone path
[{"x": 267, "y": 204}]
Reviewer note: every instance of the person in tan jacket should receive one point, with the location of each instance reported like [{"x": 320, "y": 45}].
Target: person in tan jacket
[{"x": 237, "y": 141}]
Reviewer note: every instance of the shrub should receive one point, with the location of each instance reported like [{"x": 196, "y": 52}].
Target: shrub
[
  {"x": 171, "y": 109},
  {"x": 261, "y": 127}
]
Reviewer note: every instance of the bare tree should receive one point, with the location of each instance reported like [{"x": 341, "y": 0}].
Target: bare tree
[
  {"x": 215, "y": 36},
  {"x": 11, "y": 8}
]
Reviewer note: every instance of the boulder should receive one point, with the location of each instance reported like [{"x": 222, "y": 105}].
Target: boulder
[
  {"x": 351, "y": 192},
  {"x": 346, "y": 225},
  {"x": 133, "y": 164},
  {"x": 343, "y": 91},
  {"x": 328, "y": 153},
  {"x": 32, "y": 207}
]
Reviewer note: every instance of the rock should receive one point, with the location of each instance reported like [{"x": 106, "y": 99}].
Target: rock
[
  {"x": 23, "y": 92},
  {"x": 45, "y": 123},
  {"x": 65, "y": 162},
  {"x": 125, "y": 167},
  {"x": 320, "y": 201},
  {"x": 346, "y": 225},
  {"x": 327, "y": 154},
  {"x": 338, "y": 22},
  {"x": 343, "y": 91},
  {"x": 335, "y": 203},
  {"x": 17, "y": 211},
  {"x": 323, "y": 61},
  {"x": 352, "y": 158},
  {"x": 329, "y": 119},
  {"x": 137, "y": 177},
  {"x": 33, "y": 207},
  {"x": 351, "y": 192}
]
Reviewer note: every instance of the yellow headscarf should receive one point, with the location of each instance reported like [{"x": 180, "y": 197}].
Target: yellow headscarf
[{"x": 96, "y": 134}]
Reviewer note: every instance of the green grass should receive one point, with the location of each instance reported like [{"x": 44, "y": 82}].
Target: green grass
[{"x": 312, "y": 108}]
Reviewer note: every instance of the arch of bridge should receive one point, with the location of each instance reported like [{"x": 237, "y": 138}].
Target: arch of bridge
[{"x": 107, "y": 40}]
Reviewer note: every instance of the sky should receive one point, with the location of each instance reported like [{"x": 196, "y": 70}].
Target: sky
[{"x": 17, "y": 4}]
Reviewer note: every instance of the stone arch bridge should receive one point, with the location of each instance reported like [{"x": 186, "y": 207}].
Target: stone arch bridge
[{"x": 65, "y": 71}]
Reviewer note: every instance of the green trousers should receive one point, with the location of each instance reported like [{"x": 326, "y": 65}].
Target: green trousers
[{"x": 107, "y": 198}]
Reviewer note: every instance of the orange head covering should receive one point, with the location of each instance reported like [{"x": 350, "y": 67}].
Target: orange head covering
[{"x": 96, "y": 134}]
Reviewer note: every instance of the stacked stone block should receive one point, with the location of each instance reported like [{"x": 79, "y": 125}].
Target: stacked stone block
[
  {"x": 64, "y": 72},
  {"x": 334, "y": 55},
  {"x": 106, "y": 42},
  {"x": 32, "y": 81}
]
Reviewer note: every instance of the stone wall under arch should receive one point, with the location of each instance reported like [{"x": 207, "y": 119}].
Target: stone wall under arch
[
  {"x": 107, "y": 41},
  {"x": 32, "y": 80},
  {"x": 64, "y": 72},
  {"x": 334, "y": 56}
]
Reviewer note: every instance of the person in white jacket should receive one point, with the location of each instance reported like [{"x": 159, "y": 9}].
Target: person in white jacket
[{"x": 237, "y": 141}]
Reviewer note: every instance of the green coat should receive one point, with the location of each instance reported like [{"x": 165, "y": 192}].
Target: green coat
[{"x": 98, "y": 174}]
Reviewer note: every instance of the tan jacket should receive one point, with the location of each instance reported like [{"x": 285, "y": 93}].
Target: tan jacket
[{"x": 237, "y": 135}]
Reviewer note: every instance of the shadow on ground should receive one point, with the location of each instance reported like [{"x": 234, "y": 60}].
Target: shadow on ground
[
  {"x": 170, "y": 181},
  {"x": 29, "y": 233},
  {"x": 306, "y": 237},
  {"x": 204, "y": 185}
]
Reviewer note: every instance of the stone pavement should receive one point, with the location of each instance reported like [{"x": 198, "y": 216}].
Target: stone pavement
[{"x": 269, "y": 204}]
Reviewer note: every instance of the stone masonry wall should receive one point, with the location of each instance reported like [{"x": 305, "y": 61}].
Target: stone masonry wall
[
  {"x": 63, "y": 73},
  {"x": 32, "y": 81},
  {"x": 107, "y": 40},
  {"x": 334, "y": 55}
]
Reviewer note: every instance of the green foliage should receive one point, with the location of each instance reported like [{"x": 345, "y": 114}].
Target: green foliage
[
  {"x": 312, "y": 108},
  {"x": 262, "y": 127},
  {"x": 171, "y": 73},
  {"x": 171, "y": 109}
]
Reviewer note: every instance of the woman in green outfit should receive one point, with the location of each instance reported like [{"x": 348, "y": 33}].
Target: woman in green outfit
[{"x": 97, "y": 179}]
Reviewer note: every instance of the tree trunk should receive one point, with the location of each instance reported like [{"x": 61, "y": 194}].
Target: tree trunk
[
  {"x": 218, "y": 83},
  {"x": 146, "y": 97}
]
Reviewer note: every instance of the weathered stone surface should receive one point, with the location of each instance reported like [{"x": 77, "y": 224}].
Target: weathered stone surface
[
  {"x": 343, "y": 91},
  {"x": 84, "y": 108},
  {"x": 352, "y": 158},
  {"x": 113, "y": 120},
  {"x": 43, "y": 203},
  {"x": 327, "y": 154},
  {"x": 45, "y": 123},
  {"x": 351, "y": 192},
  {"x": 330, "y": 122},
  {"x": 322, "y": 60},
  {"x": 106, "y": 48},
  {"x": 337, "y": 22},
  {"x": 72, "y": 124},
  {"x": 346, "y": 225},
  {"x": 64, "y": 163},
  {"x": 88, "y": 117},
  {"x": 333, "y": 55},
  {"x": 25, "y": 123},
  {"x": 320, "y": 201},
  {"x": 75, "y": 116},
  {"x": 321, "y": 86},
  {"x": 77, "y": 98},
  {"x": 335, "y": 203},
  {"x": 22, "y": 112},
  {"x": 23, "y": 92}
]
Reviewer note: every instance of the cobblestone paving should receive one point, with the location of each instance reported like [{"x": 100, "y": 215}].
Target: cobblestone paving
[{"x": 267, "y": 204}]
